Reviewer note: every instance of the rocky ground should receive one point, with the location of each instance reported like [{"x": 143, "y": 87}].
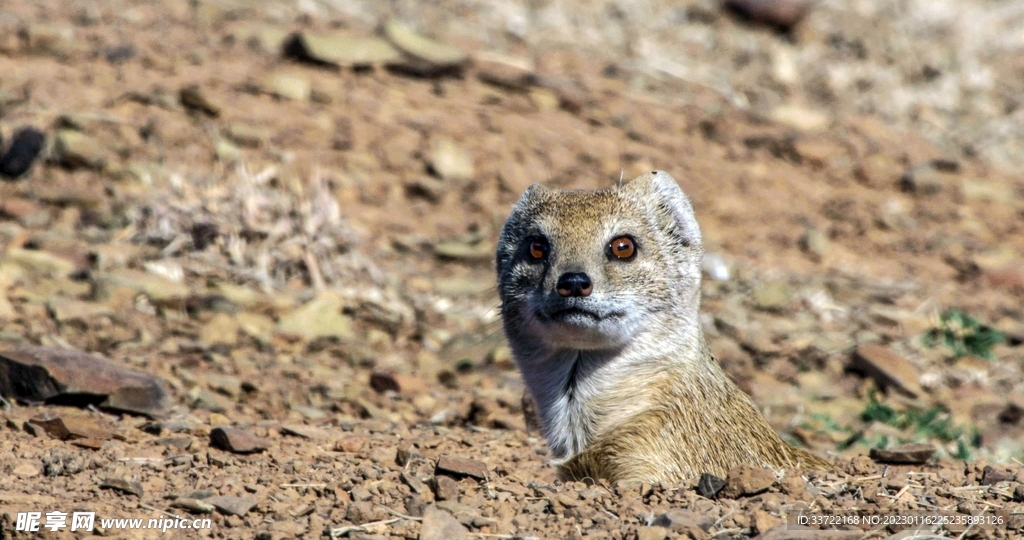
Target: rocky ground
[{"x": 275, "y": 223}]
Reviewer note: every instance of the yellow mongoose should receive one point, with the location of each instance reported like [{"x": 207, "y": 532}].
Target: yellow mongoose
[{"x": 600, "y": 296}]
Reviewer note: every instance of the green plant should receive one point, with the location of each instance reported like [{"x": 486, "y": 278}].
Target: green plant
[
  {"x": 923, "y": 424},
  {"x": 963, "y": 335}
]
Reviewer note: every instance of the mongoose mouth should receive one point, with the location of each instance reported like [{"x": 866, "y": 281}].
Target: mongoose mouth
[{"x": 577, "y": 314}]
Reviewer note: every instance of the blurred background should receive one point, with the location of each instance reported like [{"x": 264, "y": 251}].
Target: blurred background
[{"x": 289, "y": 210}]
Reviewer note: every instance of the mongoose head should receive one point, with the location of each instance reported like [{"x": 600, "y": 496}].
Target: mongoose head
[{"x": 594, "y": 270}]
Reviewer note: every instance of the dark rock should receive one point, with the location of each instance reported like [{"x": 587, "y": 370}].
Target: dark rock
[
  {"x": 991, "y": 475},
  {"x": 42, "y": 374},
  {"x": 709, "y": 485},
  {"x": 26, "y": 146},
  {"x": 237, "y": 440},
  {"x": 192, "y": 97},
  {"x": 120, "y": 54},
  {"x": 782, "y": 14},
  {"x": 122, "y": 485},
  {"x": 911, "y": 454},
  {"x": 461, "y": 467}
]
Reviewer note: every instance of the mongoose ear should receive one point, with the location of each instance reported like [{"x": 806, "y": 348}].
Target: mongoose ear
[
  {"x": 660, "y": 189},
  {"x": 532, "y": 192}
]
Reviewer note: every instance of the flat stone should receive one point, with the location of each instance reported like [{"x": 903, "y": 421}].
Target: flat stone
[
  {"x": 680, "y": 521},
  {"x": 247, "y": 135},
  {"x": 910, "y": 454},
  {"x": 507, "y": 74},
  {"x": 193, "y": 97},
  {"x": 449, "y": 160},
  {"x": 70, "y": 427},
  {"x": 38, "y": 374},
  {"x": 40, "y": 263},
  {"x": 208, "y": 401},
  {"x": 440, "y": 525},
  {"x": 461, "y": 467},
  {"x": 196, "y": 506},
  {"x": 122, "y": 485},
  {"x": 923, "y": 180},
  {"x": 237, "y": 440},
  {"x": 340, "y": 49},
  {"x": 801, "y": 118},
  {"x": 382, "y": 381},
  {"x": 51, "y": 40},
  {"x": 231, "y": 505},
  {"x": 445, "y": 488},
  {"x": 68, "y": 310},
  {"x": 709, "y": 485},
  {"x": 887, "y": 368},
  {"x": 320, "y": 317},
  {"x": 991, "y": 475},
  {"x": 772, "y": 295},
  {"x": 745, "y": 480},
  {"x": 75, "y": 149},
  {"x": 226, "y": 151},
  {"x": 222, "y": 329},
  {"x": 651, "y": 533},
  {"x": 306, "y": 432},
  {"x": 424, "y": 56},
  {"x": 26, "y": 470},
  {"x": 158, "y": 289},
  {"x": 288, "y": 85},
  {"x": 26, "y": 145}
]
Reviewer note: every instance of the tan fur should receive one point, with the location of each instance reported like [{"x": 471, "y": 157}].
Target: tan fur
[{"x": 630, "y": 392}]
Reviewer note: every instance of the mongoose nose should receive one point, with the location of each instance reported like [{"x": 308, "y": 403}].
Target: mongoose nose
[{"x": 574, "y": 284}]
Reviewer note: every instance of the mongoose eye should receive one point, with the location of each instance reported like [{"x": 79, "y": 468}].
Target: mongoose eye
[
  {"x": 622, "y": 248},
  {"x": 539, "y": 248}
]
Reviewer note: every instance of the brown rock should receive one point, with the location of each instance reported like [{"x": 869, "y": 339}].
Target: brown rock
[
  {"x": 887, "y": 368},
  {"x": 230, "y": 505},
  {"x": 459, "y": 467},
  {"x": 684, "y": 522},
  {"x": 397, "y": 382},
  {"x": 745, "y": 480},
  {"x": 364, "y": 512},
  {"x": 70, "y": 428},
  {"x": 306, "y": 432},
  {"x": 440, "y": 525},
  {"x": 507, "y": 75},
  {"x": 193, "y": 97},
  {"x": 237, "y": 440},
  {"x": 37, "y": 374},
  {"x": 349, "y": 444},
  {"x": 912, "y": 454},
  {"x": 763, "y": 521},
  {"x": 17, "y": 208},
  {"x": 445, "y": 488},
  {"x": 991, "y": 475},
  {"x": 122, "y": 485},
  {"x": 651, "y": 533}
]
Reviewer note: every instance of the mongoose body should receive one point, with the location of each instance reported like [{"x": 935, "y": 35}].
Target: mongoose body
[{"x": 600, "y": 299}]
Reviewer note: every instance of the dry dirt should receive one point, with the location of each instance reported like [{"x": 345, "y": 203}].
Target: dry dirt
[{"x": 302, "y": 252}]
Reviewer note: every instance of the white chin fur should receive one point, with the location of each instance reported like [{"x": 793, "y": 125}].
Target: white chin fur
[{"x": 595, "y": 336}]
